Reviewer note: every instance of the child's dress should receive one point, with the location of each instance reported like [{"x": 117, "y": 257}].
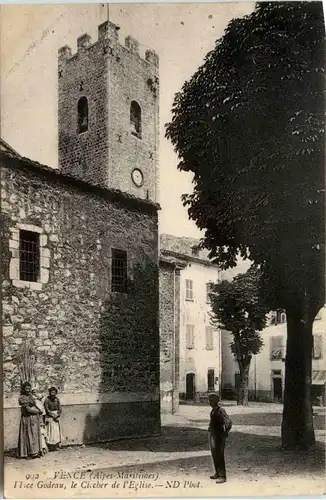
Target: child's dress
[{"x": 40, "y": 406}]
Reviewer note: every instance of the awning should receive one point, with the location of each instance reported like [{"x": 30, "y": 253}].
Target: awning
[{"x": 318, "y": 377}]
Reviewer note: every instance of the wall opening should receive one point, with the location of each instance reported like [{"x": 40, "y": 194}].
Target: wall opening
[
  {"x": 119, "y": 273},
  {"x": 82, "y": 109},
  {"x": 29, "y": 255},
  {"x": 135, "y": 119},
  {"x": 190, "y": 386}
]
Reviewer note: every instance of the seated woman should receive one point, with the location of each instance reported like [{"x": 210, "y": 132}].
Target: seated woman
[
  {"x": 53, "y": 410},
  {"x": 29, "y": 441}
]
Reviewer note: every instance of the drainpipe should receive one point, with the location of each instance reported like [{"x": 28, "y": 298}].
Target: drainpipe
[{"x": 255, "y": 375}]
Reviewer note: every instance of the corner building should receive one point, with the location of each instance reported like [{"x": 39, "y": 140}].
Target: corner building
[{"x": 79, "y": 249}]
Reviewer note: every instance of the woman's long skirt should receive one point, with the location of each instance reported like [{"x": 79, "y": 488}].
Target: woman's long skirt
[
  {"x": 29, "y": 440},
  {"x": 53, "y": 434}
]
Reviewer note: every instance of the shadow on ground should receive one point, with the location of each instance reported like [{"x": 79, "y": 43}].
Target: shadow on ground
[
  {"x": 262, "y": 420},
  {"x": 245, "y": 454}
]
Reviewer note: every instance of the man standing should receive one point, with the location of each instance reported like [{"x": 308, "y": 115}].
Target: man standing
[{"x": 219, "y": 427}]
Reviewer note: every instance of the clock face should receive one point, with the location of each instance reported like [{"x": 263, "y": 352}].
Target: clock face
[{"x": 137, "y": 177}]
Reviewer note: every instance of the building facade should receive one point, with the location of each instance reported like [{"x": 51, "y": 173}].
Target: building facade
[
  {"x": 197, "y": 344},
  {"x": 267, "y": 370},
  {"x": 79, "y": 247}
]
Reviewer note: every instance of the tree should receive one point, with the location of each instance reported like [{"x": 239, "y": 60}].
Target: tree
[
  {"x": 238, "y": 308},
  {"x": 250, "y": 126}
]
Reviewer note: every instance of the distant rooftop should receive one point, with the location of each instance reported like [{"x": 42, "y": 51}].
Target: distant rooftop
[{"x": 183, "y": 247}]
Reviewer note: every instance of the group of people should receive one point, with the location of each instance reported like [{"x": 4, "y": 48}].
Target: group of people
[{"x": 39, "y": 430}]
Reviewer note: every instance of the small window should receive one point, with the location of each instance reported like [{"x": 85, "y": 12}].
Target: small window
[
  {"x": 277, "y": 348},
  {"x": 190, "y": 337},
  {"x": 29, "y": 255},
  {"x": 278, "y": 317},
  {"x": 210, "y": 379},
  {"x": 209, "y": 290},
  {"x": 135, "y": 119},
  {"x": 281, "y": 317},
  {"x": 318, "y": 346},
  {"x": 82, "y": 115},
  {"x": 189, "y": 290},
  {"x": 119, "y": 271},
  {"x": 209, "y": 338}
]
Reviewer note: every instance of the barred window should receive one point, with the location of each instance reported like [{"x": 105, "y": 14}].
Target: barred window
[
  {"x": 119, "y": 271},
  {"x": 189, "y": 290},
  {"x": 29, "y": 255}
]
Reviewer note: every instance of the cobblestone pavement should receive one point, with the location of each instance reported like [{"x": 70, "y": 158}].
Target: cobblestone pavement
[{"x": 255, "y": 462}]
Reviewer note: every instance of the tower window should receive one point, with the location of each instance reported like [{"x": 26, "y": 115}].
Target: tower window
[
  {"x": 119, "y": 271},
  {"x": 135, "y": 119},
  {"x": 82, "y": 115},
  {"x": 29, "y": 255}
]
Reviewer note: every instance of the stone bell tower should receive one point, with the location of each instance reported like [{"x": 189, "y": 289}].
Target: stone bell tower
[{"x": 109, "y": 113}]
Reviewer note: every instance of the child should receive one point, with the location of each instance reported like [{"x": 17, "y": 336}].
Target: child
[{"x": 38, "y": 403}]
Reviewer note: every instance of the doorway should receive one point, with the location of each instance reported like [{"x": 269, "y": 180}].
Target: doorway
[
  {"x": 210, "y": 379},
  {"x": 277, "y": 389},
  {"x": 190, "y": 386}
]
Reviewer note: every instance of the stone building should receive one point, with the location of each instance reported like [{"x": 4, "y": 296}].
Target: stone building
[
  {"x": 190, "y": 351},
  {"x": 267, "y": 370},
  {"x": 79, "y": 248}
]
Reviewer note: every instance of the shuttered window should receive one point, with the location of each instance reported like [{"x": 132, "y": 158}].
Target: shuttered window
[
  {"x": 318, "y": 346},
  {"x": 190, "y": 337},
  {"x": 209, "y": 338},
  {"x": 277, "y": 350},
  {"x": 189, "y": 290},
  {"x": 209, "y": 290}
]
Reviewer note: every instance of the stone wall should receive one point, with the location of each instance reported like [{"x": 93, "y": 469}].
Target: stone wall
[
  {"x": 95, "y": 346},
  {"x": 169, "y": 291}
]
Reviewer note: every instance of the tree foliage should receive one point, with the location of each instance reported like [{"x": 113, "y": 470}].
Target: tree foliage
[
  {"x": 250, "y": 126},
  {"x": 239, "y": 308}
]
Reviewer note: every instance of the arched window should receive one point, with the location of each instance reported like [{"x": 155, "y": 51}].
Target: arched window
[
  {"x": 135, "y": 119},
  {"x": 82, "y": 115}
]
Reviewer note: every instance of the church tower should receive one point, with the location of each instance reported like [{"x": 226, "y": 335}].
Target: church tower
[{"x": 109, "y": 113}]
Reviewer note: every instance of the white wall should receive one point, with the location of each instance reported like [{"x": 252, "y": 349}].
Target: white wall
[
  {"x": 198, "y": 360},
  {"x": 262, "y": 367}
]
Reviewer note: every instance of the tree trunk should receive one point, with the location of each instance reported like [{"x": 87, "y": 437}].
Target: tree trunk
[
  {"x": 244, "y": 382},
  {"x": 297, "y": 424}
]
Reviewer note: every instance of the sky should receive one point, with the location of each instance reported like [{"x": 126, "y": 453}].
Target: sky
[{"x": 31, "y": 35}]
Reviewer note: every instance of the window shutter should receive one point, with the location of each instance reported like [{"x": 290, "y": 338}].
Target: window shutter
[
  {"x": 190, "y": 337},
  {"x": 209, "y": 338},
  {"x": 189, "y": 290},
  {"x": 318, "y": 347}
]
